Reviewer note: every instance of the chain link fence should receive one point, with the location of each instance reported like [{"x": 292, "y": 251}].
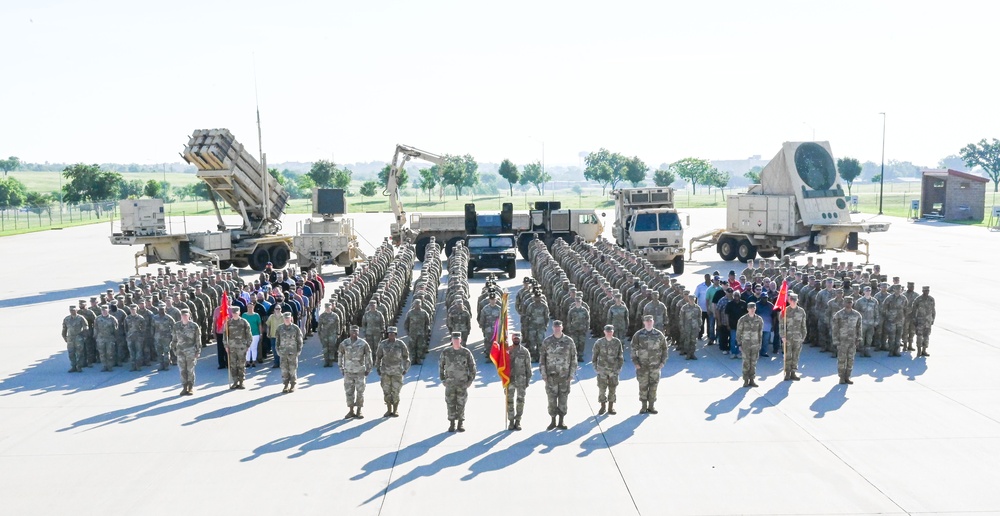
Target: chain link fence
[{"x": 54, "y": 215}]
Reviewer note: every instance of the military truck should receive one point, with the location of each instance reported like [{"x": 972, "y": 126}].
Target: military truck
[
  {"x": 491, "y": 251},
  {"x": 647, "y": 224},
  {"x": 236, "y": 177},
  {"x": 799, "y": 205},
  {"x": 330, "y": 240}
]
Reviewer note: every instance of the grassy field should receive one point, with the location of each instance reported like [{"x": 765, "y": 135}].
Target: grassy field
[{"x": 47, "y": 182}]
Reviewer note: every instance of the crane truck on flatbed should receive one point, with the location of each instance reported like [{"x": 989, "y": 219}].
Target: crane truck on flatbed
[
  {"x": 547, "y": 221},
  {"x": 242, "y": 182},
  {"x": 798, "y": 206}
]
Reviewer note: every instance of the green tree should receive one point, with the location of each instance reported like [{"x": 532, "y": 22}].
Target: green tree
[
  {"x": 278, "y": 176},
  {"x": 322, "y": 172},
  {"x": 402, "y": 177},
  {"x": 152, "y": 189},
  {"x": 985, "y": 155},
  {"x": 663, "y": 178},
  {"x": 9, "y": 164},
  {"x": 605, "y": 167},
  {"x": 305, "y": 184},
  {"x": 368, "y": 189},
  {"x": 635, "y": 171},
  {"x": 532, "y": 174},
  {"x": 38, "y": 203},
  {"x": 877, "y": 178},
  {"x": 849, "y": 170},
  {"x": 460, "y": 172},
  {"x": 953, "y": 162},
  {"x": 12, "y": 193},
  {"x": 754, "y": 174},
  {"x": 428, "y": 180},
  {"x": 342, "y": 179},
  {"x": 692, "y": 170},
  {"x": 717, "y": 178},
  {"x": 131, "y": 189},
  {"x": 508, "y": 171},
  {"x": 90, "y": 183}
]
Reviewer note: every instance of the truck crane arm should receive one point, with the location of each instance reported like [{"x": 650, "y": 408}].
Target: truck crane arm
[{"x": 404, "y": 153}]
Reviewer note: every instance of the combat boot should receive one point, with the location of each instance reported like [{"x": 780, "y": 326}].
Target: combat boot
[
  {"x": 418, "y": 361},
  {"x": 358, "y": 414},
  {"x": 842, "y": 380},
  {"x": 285, "y": 387},
  {"x": 753, "y": 383},
  {"x": 240, "y": 385},
  {"x": 511, "y": 425},
  {"x": 552, "y": 425},
  {"x": 395, "y": 410},
  {"x": 611, "y": 408},
  {"x": 603, "y": 409},
  {"x": 291, "y": 387},
  {"x": 451, "y": 427},
  {"x": 643, "y": 410},
  {"x": 350, "y": 414},
  {"x": 460, "y": 428},
  {"x": 746, "y": 383},
  {"x": 651, "y": 409},
  {"x": 847, "y": 379},
  {"x": 517, "y": 424},
  {"x": 388, "y": 410},
  {"x": 924, "y": 353},
  {"x": 327, "y": 363},
  {"x": 561, "y": 425},
  {"x": 795, "y": 377}
]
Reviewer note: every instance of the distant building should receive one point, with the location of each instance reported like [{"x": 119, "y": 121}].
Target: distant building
[{"x": 952, "y": 195}]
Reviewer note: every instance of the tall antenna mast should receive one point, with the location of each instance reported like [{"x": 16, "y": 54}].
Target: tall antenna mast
[{"x": 260, "y": 148}]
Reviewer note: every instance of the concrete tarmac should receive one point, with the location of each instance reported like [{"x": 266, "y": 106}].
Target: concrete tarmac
[{"x": 911, "y": 436}]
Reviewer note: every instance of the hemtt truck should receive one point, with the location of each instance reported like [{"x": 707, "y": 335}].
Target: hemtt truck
[
  {"x": 798, "y": 206},
  {"x": 241, "y": 181},
  {"x": 647, "y": 224},
  {"x": 331, "y": 240}
]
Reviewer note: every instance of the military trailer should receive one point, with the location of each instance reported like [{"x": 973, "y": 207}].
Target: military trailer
[
  {"x": 799, "y": 206},
  {"x": 647, "y": 224},
  {"x": 238, "y": 179},
  {"x": 330, "y": 240}
]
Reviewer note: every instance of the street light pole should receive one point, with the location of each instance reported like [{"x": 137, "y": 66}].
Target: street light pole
[{"x": 881, "y": 177}]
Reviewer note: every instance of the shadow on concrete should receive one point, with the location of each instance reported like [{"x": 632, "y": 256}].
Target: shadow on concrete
[
  {"x": 398, "y": 457},
  {"x": 59, "y": 295},
  {"x": 769, "y": 399},
  {"x": 50, "y": 375},
  {"x": 726, "y": 405},
  {"x": 315, "y": 439},
  {"x": 225, "y": 411},
  {"x": 832, "y": 401},
  {"x": 144, "y": 410},
  {"x": 612, "y": 436}
]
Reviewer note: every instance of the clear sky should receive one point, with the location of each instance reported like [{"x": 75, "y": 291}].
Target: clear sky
[{"x": 127, "y": 81}]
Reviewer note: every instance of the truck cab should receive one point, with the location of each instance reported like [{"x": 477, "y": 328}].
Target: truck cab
[
  {"x": 647, "y": 224},
  {"x": 492, "y": 252}
]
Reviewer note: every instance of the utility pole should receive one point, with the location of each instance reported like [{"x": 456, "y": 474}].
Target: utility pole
[{"x": 881, "y": 177}]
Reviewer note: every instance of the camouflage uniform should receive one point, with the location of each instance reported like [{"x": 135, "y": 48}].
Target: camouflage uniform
[
  {"x": 239, "y": 337},
  {"x": 186, "y": 344},
  {"x": 689, "y": 323},
  {"x": 649, "y": 354},
  {"x": 534, "y": 326},
  {"x": 135, "y": 337},
  {"x": 460, "y": 320},
  {"x": 355, "y": 359},
  {"x": 329, "y": 330},
  {"x": 577, "y": 326},
  {"x": 487, "y": 321},
  {"x": 163, "y": 334},
  {"x": 618, "y": 317},
  {"x": 106, "y": 335},
  {"x": 609, "y": 357},
  {"x": 90, "y": 344},
  {"x": 418, "y": 329},
  {"x": 793, "y": 328},
  {"x": 846, "y": 328},
  {"x": 457, "y": 370},
  {"x": 392, "y": 359},
  {"x": 373, "y": 325},
  {"x": 74, "y": 333},
  {"x": 558, "y": 367},
  {"x": 289, "y": 345},
  {"x": 749, "y": 331},
  {"x": 520, "y": 377},
  {"x": 908, "y": 327},
  {"x": 893, "y": 310},
  {"x": 923, "y": 314},
  {"x": 868, "y": 307}
]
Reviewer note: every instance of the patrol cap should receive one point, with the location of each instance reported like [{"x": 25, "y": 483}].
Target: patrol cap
[
  {"x": 909, "y": 283},
  {"x": 647, "y": 318},
  {"x": 515, "y": 334},
  {"x": 286, "y": 315},
  {"x": 579, "y": 295},
  {"x": 185, "y": 311},
  {"x": 792, "y": 296},
  {"x": 866, "y": 289},
  {"x": 161, "y": 305},
  {"x": 93, "y": 298},
  {"x": 104, "y": 307},
  {"x": 456, "y": 335},
  {"x": 354, "y": 327},
  {"x": 609, "y": 327},
  {"x": 134, "y": 306},
  {"x": 372, "y": 302},
  {"x": 391, "y": 329},
  {"x": 234, "y": 307},
  {"x": 751, "y": 304},
  {"x": 925, "y": 288},
  {"x": 848, "y": 299},
  {"x": 557, "y": 322},
  {"x": 72, "y": 308}
]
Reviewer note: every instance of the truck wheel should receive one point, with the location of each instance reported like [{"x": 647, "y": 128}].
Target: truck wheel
[
  {"x": 451, "y": 246},
  {"x": 765, "y": 254},
  {"x": 471, "y": 271},
  {"x": 422, "y": 247},
  {"x": 349, "y": 269},
  {"x": 678, "y": 264},
  {"x": 746, "y": 251},
  {"x": 225, "y": 264},
  {"x": 727, "y": 249},
  {"x": 279, "y": 256},
  {"x": 512, "y": 270},
  {"x": 240, "y": 264},
  {"x": 523, "y": 241},
  {"x": 259, "y": 258}
]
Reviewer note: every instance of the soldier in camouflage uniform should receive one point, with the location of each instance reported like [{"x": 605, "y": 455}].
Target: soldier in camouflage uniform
[
  {"x": 74, "y": 333},
  {"x": 355, "y": 364},
  {"x": 520, "y": 377},
  {"x": 373, "y": 323},
  {"x": 392, "y": 359},
  {"x": 457, "y": 370},
  {"x": 418, "y": 330},
  {"x": 135, "y": 336},
  {"x": 106, "y": 335},
  {"x": 558, "y": 367},
  {"x": 868, "y": 307},
  {"x": 121, "y": 346},
  {"x": 689, "y": 324},
  {"x": 578, "y": 324},
  {"x": 618, "y": 315},
  {"x": 923, "y": 313},
  {"x": 649, "y": 354},
  {"x": 534, "y": 325},
  {"x": 90, "y": 345},
  {"x": 329, "y": 330},
  {"x": 238, "y": 338},
  {"x": 793, "y": 329},
  {"x": 908, "y": 327},
  {"x": 186, "y": 345},
  {"x": 658, "y": 310},
  {"x": 460, "y": 320},
  {"x": 893, "y": 312},
  {"x": 846, "y": 327},
  {"x": 749, "y": 331},
  {"x": 609, "y": 357},
  {"x": 289, "y": 344},
  {"x": 163, "y": 334}
]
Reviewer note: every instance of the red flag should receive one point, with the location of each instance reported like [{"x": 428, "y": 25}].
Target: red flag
[
  {"x": 223, "y": 315},
  {"x": 782, "y": 297},
  {"x": 499, "y": 353}
]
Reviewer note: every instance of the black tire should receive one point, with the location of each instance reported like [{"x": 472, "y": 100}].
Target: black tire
[
  {"x": 727, "y": 249},
  {"x": 746, "y": 251},
  {"x": 523, "y": 241},
  {"x": 241, "y": 264},
  {"x": 422, "y": 247},
  {"x": 349, "y": 269},
  {"x": 279, "y": 256},
  {"x": 450, "y": 247},
  {"x": 512, "y": 270},
  {"x": 259, "y": 258},
  {"x": 678, "y": 264},
  {"x": 765, "y": 254},
  {"x": 225, "y": 264},
  {"x": 471, "y": 272}
]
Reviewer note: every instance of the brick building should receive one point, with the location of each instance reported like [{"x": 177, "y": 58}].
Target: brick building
[{"x": 952, "y": 195}]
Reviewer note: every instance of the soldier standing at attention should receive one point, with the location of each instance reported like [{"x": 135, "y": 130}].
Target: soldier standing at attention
[
  {"x": 558, "y": 367},
  {"x": 329, "y": 329},
  {"x": 186, "y": 345},
  {"x": 690, "y": 325},
  {"x": 649, "y": 354},
  {"x": 749, "y": 331},
  {"x": 106, "y": 335},
  {"x": 355, "y": 359},
  {"x": 793, "y": 326},
  {"x": 392, "y": 359},
  {"x": 373, "y": 323},
  {"x": 135, "y": 335},
  {"x": 74, "y": 333},
  {"x": 846, "y": 328},
  {"x": 163, "y": 334},
  {"x": 289, "y": 348},
  {"x": 577, "y": 324},
  {"x": 487, "y": 321},
  {"x": 618, "y": 315},
  {"x": 520, "y": 377},
  {"x": 609, "y": 357},
  {"x": 868, "y": 307},
  {"x": 923, "y": 314},
  {"x": 418, "y": 325},
  {"x": 457, "y": 370},
  {"x": 238, "y": 338}
]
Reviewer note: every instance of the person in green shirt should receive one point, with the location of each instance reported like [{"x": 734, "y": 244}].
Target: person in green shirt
[{"x": 253, "y": 318}]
